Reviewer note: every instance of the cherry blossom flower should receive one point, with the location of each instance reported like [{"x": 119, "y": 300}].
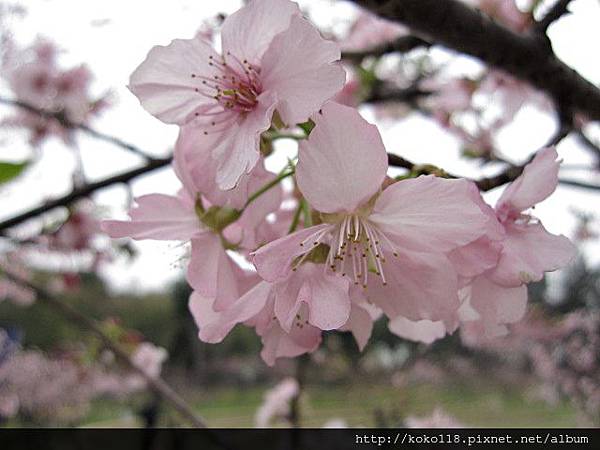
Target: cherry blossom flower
[
  {"x": 288, "y": 315},
  {"x": 13, "y": 264},
  {"x": 149, "y": 358},
  {"x": 36, "y": 79},
  {"x": 510, "y": 95},
  {"x": 276, "y": 404},
  {"x": 272, "y": 59},
  {"x": 392, "y": 243},
  {"x": 187, "y": 217},
  {"x": 78, "y": 231},
  {"x": 494, "y": 270}
]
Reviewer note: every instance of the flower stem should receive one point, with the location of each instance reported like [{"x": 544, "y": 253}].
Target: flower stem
[{"x": 268, "y": 186}]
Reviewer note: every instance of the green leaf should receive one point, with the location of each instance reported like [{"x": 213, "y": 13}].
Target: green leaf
[{"x": 9, "y": 170}]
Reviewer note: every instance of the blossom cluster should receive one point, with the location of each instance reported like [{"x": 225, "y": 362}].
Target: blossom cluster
[
  {"x": 62, "y": 251},
  {"x": 37, "y": 80},
  {"x": 57, "y": 389},
  {"x": 563, "y": 353},
  {"x": 348, "y": 244}
]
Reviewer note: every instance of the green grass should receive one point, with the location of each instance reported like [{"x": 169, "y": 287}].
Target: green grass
[{"x": 475, "y": 405}]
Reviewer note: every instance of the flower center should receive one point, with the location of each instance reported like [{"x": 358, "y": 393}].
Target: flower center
[
  {"x": 356, "y": 247},
  {"x": 234, "y": 85}
]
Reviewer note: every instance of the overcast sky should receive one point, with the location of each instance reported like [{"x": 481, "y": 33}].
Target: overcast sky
[{"x": 113, "y": 37}]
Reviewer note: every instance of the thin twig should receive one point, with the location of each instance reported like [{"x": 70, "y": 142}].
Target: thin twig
[
  {"x": 559, "y": 9},
  {"x": 528, "y": 56},
  {"x": 580, "y": 184},
  {"x": 66, "y": 123},
  {"x": 590, "y": 145},
  {"x": 157, "y": 384},
  {"x": 84, "y": 191},
  {"x": 403, "y": 44},
  {"x": 385, "y": 94}
]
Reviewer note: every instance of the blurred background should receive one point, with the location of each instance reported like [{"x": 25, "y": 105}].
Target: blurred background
[{"x": 544, "y": 373}]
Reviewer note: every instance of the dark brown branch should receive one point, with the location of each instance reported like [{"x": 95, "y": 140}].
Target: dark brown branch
[
  {"x": 403, "y": 44},
  {"x": 590, "y": 145},
  {"x": 66, "y": 123},
  {"x": 157, "y": 384},
  {"x": 383, "y": 94},
  {"x": 580, "y": 184},
  {"x": 526, "y": 56},
  {"x": 558, "y": 10},
  {"x": 509, "y": 174},
  {"x": 84, "y": 191}
]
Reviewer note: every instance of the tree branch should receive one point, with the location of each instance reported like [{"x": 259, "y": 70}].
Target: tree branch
[
  {"x": 384, "y": 94},
  {"x": 66, "y": 123},
  {"x": 580, "y": 184},
  {"x": 509, "y": 174},
  {"x": 590, "y": 145},
  {"x": 84, "y": 191},
  {"x": 526, "y": 56},
  {"x": 157, "y": 384},
  {"x": 558, "y": 10},
  {"x": 403, "y": 44}
]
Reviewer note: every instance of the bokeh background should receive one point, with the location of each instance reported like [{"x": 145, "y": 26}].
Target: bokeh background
[{"x": 546, "y": 373}]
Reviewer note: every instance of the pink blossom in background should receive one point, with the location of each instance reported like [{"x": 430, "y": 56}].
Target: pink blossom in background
[
  {"x": 369, "y": 31},
  {"x": 448, "y": 96},
  {"x": 510, "y": 94},
  {"x": 78, "y": 231},
  {"x": 272, "y": 59},
  {"x": 36, "y": 79},
  {"x": 12, "y": 263},
  {"x": 147, "y": 357},
  {"x": 276, "y": 404},
  {"x": 438, "y": 419}
]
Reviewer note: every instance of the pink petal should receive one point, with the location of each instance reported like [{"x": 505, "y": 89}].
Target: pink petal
[
  {"x": 329, "y": 305},
  {"x": 290, "y": 294},
  {"x": 419, "y": 286},
  {"x": 299, "y": 66},
  {"x": 239, "y": 150},
  {"x": 343, "y": 162},
  {"x": 214, "y": 326},
  {"x": 194, "y": 149},
  {"x": 156, "y": 216},
  {"x": 429, "y": 214},
  {"x": 248, "y": 32},
  {"x": 420, "y": 331},
  {"x": 476, "y": 257},
  {"x": 164, "y": 84},
  {"x": 212, "y": 272},
  {"x": 536, "y": 183},
  {"x": 496, "y": 305},
  {"x": 203, "y": 313},
  {"x": 529, "y": 251},
  {"x": 273, "y": 261},
  {"x": 279, "y": 344},
  {"x": 325, "y": 296},
  {"x": 360, "y": 323}
]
